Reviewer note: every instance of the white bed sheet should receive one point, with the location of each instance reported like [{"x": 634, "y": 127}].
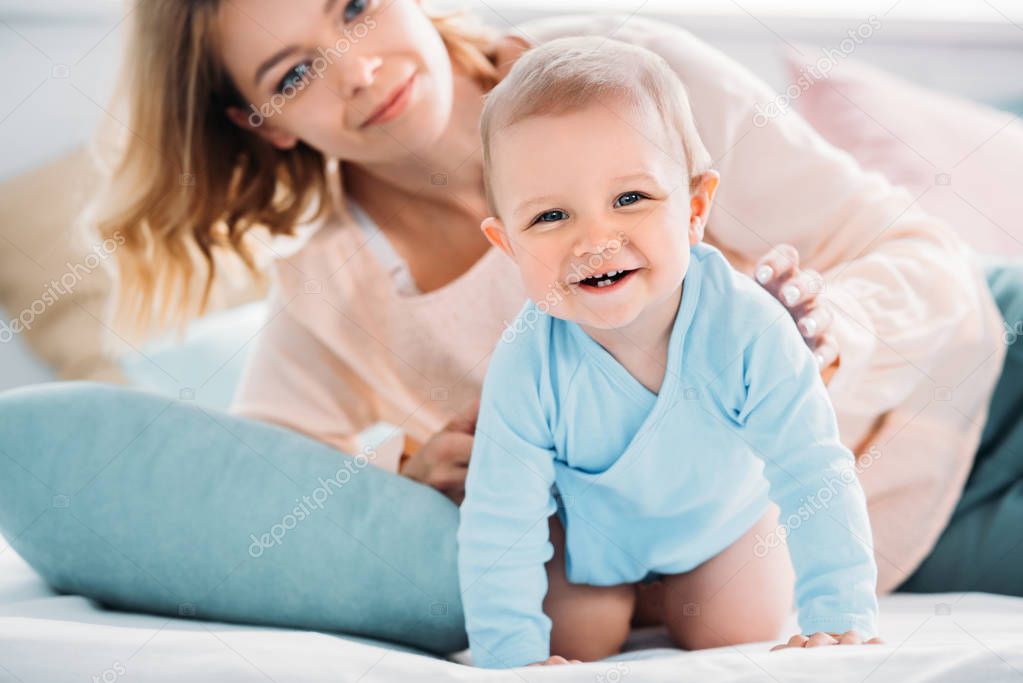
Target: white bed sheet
[{"x": 54, "y": 638}]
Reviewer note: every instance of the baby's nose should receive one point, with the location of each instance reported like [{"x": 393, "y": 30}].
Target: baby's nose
[{"x": 597, "y": 241}]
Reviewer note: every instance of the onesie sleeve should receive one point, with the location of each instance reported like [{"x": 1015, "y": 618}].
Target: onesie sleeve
[
  {"x": 789, "y": 422},
  {"x": 503, "y": 539}
]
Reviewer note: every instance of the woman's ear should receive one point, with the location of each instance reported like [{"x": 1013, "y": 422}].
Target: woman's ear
[
  {"x": 506, "y": 50},
  {"x": 256, "y": 123},
  {"x": 493, "y": 228},
  {"x": 700, "y": 201}
]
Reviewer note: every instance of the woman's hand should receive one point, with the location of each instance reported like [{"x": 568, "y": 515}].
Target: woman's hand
[
  {"x": 821, "y": 638},
  {"x": 443, "y": 461},
  {"x": 799, "y": 290}
]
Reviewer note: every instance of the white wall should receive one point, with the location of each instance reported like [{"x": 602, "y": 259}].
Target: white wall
[{"x": 58, "y": 58}]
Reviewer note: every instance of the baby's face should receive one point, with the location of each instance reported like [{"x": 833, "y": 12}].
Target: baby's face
[{"x": 594, "y": 206}]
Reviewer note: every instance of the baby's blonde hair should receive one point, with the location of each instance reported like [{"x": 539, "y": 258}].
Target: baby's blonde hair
[{"x": 569, "y": 74}]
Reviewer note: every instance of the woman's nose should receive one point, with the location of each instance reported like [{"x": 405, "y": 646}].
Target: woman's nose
[{"x": 357, "y": 72}]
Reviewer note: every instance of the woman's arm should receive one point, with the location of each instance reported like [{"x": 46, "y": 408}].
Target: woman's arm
[
  {"x": 899, "y": 282},
  {"x": 292, "y": 379}
]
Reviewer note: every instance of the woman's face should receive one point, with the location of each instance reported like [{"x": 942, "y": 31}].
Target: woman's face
[{"x": 325, "y": 71}]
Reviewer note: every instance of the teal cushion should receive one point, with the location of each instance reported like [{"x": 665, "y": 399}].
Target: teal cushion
[{"x": 147, "y": 503}]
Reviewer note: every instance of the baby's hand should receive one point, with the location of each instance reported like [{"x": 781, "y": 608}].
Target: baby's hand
[
  {"x": 554, "y": 660},
  {"x": 821, "y": 638}
]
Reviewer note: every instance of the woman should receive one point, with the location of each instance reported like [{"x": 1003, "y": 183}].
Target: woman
[{"x": 361, "y": 115}]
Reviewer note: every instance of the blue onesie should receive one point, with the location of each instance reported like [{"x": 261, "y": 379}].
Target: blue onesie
[{"x": 650, "y": 483}]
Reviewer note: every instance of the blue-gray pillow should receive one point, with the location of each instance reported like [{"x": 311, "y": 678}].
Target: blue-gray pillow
[
  {"x": 147, "y": 503},
  {"x": 206, "y": 364}
]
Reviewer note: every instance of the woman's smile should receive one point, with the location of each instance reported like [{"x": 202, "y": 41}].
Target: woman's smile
[{"x": 394, "y": 104}]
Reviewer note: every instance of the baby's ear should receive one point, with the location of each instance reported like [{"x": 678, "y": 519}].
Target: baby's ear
[
  {"x": 493, "y": 228},
  {"x": 700, "y": 201}
]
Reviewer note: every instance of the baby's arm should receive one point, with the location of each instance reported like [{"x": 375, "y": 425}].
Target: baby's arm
[
  {"x": 503, "y": 535},
  {"x": 788, "y": 420}
]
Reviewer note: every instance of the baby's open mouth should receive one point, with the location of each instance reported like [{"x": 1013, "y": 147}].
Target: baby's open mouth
[{"x": 605, "y": 279}]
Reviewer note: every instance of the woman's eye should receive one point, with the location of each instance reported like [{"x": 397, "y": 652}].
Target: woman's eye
[
  {"x": 294, "y": 77},
  {"x": 629, "y": 198},
  {"x": 354, "y": 8},
  {"x": 550, "y": 216}
]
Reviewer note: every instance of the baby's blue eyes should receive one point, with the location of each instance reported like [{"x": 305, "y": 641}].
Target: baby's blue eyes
[
  {"x": 624, "y": 199},
  {"x": 550, "y": 216},
  {"x": 632, "y": 198}
]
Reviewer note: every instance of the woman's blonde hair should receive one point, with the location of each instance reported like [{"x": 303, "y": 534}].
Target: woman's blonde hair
[
  {"x": 567, "y": 74},
  {"x": 185, "y": 186}
]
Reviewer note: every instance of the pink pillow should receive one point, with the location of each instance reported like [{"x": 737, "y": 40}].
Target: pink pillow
[{"x": 963, "y": 160}]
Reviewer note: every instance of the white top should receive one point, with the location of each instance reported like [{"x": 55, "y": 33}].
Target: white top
[{"x": 385, "y": 252}]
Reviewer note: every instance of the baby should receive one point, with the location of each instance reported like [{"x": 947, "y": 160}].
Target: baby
[{"x": 650, "y": 406}]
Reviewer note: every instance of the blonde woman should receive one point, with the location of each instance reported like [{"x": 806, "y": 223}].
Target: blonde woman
[{"x": 359, "y": 118}]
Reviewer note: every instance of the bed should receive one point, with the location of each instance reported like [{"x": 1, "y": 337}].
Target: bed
[{"x": 55, "y": 638}]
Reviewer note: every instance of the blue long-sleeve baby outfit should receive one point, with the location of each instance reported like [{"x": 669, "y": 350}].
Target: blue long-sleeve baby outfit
[{"x": 658, "y": 483}]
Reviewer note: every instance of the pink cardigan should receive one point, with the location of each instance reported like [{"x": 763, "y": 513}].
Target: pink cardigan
[{"x": 919, "y": 333}]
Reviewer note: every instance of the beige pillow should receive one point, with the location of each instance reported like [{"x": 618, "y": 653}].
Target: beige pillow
[
  {"x": 53, "y": 281},
  {"x": 962, "y": 160},
  {"x": 54, "y": 287}
]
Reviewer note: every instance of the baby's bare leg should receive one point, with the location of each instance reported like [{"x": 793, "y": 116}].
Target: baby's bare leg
[
  {"x": 589, "y": 622},
  {"x": 734, "y": 597}
]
